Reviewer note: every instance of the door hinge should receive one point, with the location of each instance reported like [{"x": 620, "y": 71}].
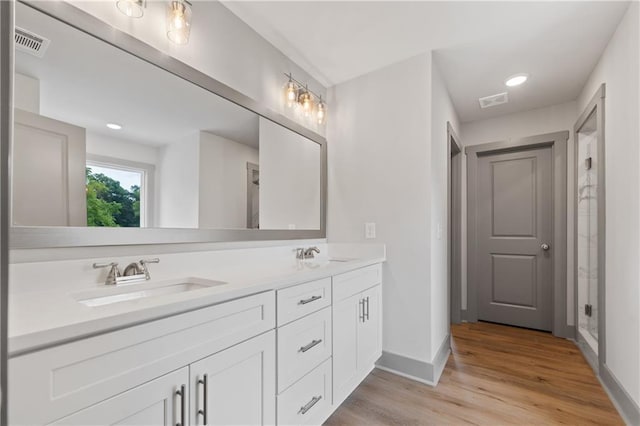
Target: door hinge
[{"x": 588, "y": 310}]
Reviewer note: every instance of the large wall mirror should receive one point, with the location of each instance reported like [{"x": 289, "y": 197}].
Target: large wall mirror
[{"x": 112, "y": 147}]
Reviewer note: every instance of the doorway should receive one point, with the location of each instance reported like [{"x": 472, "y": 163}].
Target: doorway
[
  {"x": 454, "y": 232},
  {"x": 517, "y": 243},
  {"x": 589, "y": 242}
]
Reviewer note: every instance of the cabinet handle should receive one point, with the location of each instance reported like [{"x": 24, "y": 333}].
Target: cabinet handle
[
  {"x": 203, "y": 411},
  {"x": 367, "y": 314},
  {"x": 182, "y": 394},
  {"x": 310, "y": 345},
  {"x": 309, "y": 300},
  {"x": 361, "y": 309},
  {"x": 310, "y": 404}
]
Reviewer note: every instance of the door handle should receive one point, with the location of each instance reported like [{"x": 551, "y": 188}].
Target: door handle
[
  {"x": 367, "y": 311},
  {"x": 361, "y": 309},
  {"x": 545, "y": 246},
  {"x": 205, "y": 387},
  {"x": 182, "y": 394}
]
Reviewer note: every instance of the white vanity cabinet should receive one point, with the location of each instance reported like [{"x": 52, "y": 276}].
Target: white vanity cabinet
[
  {"x": 284, "y": 356},
  {"x": 71, "y": 377},
  {"x": 357, "y": 334}
]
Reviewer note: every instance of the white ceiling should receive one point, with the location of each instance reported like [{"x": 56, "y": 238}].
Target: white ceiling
[
  {"x": 86, "y": 82},
  {"x": 477, "y": 44}
]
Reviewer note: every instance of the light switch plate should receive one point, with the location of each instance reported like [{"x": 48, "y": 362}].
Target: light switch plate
[
  {"x": 292, "y": 226},
  {"x": 370, "y": 230}
]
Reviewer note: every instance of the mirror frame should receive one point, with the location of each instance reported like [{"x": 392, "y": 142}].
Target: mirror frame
[{"x": 55, "y": 237}]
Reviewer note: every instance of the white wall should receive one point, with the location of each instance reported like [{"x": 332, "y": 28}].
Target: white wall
[
  {"x": 26, "y": 93},
  {"x": 109, "y": 146},
  {"x": 223, "y": 181},
  {"x": 379, "y": 160},
  {"x": 178, "y": 181},
  {"x": 289, "y": 179},
  {"x": 549, "y": 119},
  {"x": 442, "y": 111},
  {"x": 222, "y": 46},
  {"x": 619, "y": 69}
]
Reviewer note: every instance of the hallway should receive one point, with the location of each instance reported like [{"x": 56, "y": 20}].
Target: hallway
[{"x": 495, "y": 375}]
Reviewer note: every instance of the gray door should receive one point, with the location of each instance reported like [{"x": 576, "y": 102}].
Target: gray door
[{"x": 514, "y": 233}]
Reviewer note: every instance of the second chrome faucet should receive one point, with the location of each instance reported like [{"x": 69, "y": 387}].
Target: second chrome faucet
[{"x": 302, "y": 253}]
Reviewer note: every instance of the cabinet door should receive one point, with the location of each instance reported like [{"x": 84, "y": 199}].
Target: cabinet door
[
  {"x": 236, "y": 386},
  {"x": 369, "y": 333},
  {"x": 157, "y": 402},
  {"x": 346, "y": 319}
]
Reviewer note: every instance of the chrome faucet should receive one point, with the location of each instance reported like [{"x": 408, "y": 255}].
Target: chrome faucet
[
  {"x": 303, "y": 254},
  {"x": 134, "y": 272}
]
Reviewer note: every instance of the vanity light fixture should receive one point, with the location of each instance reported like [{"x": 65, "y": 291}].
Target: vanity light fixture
[
  {"x": 516, "y": 80},
  {"x": 298, "y": 94},
  {"x": 114, "y": 126},
  {"x": 179, "y": 21},
  {"x": 132, "y": 8}
]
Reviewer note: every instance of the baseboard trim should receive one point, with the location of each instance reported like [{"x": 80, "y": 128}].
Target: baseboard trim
[
  {"x": 626, "y": 406},
  {"x": 414, "y": 369},
  {"x": 588, "y": 353}
]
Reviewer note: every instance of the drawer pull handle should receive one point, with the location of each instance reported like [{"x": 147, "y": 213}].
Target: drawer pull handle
[
  {"x": 310, "y": 345},
  {"x": 203, "y": 410},
  {"x": 310, "y": 404},
  {"x": 182, "y": 394},
  {"x": 309, "y": 300}
]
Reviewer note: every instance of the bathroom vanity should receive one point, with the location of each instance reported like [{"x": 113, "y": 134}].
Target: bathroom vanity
[{"x": 264, "y": 353}]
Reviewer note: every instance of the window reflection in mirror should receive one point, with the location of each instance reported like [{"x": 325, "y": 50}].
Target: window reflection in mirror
[{"x": 103, "y": 138}]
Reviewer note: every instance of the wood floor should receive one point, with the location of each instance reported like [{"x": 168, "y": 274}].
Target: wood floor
[{"x": 496, "y": 375}]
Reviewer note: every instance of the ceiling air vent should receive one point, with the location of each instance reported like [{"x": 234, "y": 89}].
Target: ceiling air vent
[
  {"x": 494, "y": 100},
  {"x": 31, "y": 43}
]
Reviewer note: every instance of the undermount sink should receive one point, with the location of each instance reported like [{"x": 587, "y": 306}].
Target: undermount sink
[{"x": 139, "y": 291}]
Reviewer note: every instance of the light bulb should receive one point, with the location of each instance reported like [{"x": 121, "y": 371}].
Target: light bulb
[
  {"x": 131, "y": 8},
  {"x": 291, "y": 92},
  {"x": 179, "y": 21},
  {"x": 306, "y": 102},
  {"x": 321, "y": 113}
]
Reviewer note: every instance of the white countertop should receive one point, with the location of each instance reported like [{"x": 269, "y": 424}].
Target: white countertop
[{"x": 44, "y": 318}]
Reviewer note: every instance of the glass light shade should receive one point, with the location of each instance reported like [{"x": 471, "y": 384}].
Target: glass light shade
[
  {"x": 321, "y": 112},
  {"x": 131, "y": 8},
  {"x": 291, "y": 93},
  {"x": 178, "y": 21},
  {"x": 306, "y": 102}
]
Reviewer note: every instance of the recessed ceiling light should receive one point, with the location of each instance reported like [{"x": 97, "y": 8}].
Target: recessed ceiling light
[
  {"x": 114, "y": 126},
  {"x": 516, "y": 80}
]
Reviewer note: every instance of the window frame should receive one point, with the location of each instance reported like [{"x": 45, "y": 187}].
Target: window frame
[{"x": 147, "y": 189}]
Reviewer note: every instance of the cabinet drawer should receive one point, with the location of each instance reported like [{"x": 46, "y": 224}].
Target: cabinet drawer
[
  {"x": 67, "y": 378},
  {"x": 300, "y": 300},
  {"x": 354, "y": 282},
  {"x": 302, "y": 346},
  {"x": 308, "y": 401}
]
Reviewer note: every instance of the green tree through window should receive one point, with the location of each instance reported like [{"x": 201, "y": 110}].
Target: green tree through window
[{"x": 109, "y": 204}]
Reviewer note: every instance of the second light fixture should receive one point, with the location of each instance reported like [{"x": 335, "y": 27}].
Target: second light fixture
[{"x": 297, "y": 94}]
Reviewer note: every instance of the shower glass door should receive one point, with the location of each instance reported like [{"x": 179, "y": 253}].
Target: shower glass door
[{"x": 588, "y": 232}]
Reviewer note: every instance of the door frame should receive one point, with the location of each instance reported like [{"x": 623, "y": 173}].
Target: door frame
[
  {"x": 6, "y": 136},
  {"x": 454, "y": 230},
  {"x": 558, "y": 143},
  {"x": 596, "y": 104}
]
